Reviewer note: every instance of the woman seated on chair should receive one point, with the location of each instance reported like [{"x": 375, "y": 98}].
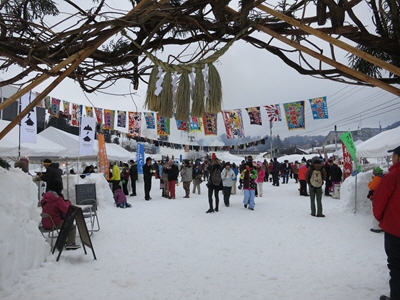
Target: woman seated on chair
[
  {"x": 120, "y": 198},
  {"x": 53, "y": 204}
]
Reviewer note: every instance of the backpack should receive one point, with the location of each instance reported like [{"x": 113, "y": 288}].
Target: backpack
[
  {"x": 216, "y": 177},
  {"x": 316, "y": 178}
]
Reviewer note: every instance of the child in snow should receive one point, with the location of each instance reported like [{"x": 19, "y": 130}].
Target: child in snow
[{"x": 120, "y": 198}]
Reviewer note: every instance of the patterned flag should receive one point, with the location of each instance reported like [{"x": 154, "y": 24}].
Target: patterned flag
[
  {"x": 99, "y": 115},
  {"x": 347, "y": 140},
  {"x": 47, "y": 103},
  {"x": 89, "y": 111},
  {"x": 66, "y": 108},
  {"x": 149, "y": 118},
  {"x": 196, "y": 124},
  {"x": 210, "y": 124},
  {"x": 55, "y": 107},
  {"x": 102, "y": 157},
  {"x": 28, "y": 128},
  {"x": 319, "y": 108},
  {"x": 233, "y": 123},
  {"x": 181, "y": 125},
  {"x": 109, "y": 116},
  {"x": 162, "y": 125},
  {"x": 273, "y": 112},
  {"x": 254, "y": 115},
  {"x": 294, "y": 113},
  {"x": 121, "y": 120},
  {"x": 75, "y": 114},
  {"x": 135, "y": 123},
  {"x": 347, "y": 164}
]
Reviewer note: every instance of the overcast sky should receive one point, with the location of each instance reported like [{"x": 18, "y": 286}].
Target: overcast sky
[{"x": 254, "y": 77}]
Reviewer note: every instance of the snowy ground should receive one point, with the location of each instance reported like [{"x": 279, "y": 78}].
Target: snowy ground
[{"x": 172, "y": 249}]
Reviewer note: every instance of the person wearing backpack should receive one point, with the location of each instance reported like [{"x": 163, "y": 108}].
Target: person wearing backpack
[
  {"x": 315, "y": 177},
  {"x": 214, "y": 185}
]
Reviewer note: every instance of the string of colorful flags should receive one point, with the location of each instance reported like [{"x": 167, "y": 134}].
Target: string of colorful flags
[{"x": 293, "y": 112}]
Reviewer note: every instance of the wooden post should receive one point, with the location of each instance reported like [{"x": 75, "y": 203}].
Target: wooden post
[
  {"x": 368, "y": 57},
  {"x": 339, "y": 66},
  {"x": 80, "y": 56}
]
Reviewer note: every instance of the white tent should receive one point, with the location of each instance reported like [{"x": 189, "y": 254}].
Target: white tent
[
  {"x": 44, "y": 148},
  {"x": 378, "y": 145},
  {"x": 71, "y": 142}
]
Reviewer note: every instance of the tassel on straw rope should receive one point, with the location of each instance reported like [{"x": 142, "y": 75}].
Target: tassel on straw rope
[
  {"x": 183, "y": 98},
  {"x": 152, "y": 101},
  {"x": 214, "y": 100},
  {"x": 166, "y": 101},
  {"x": 198, "y": 94}
]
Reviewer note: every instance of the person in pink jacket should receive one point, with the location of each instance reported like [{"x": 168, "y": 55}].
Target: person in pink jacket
[
  {"x": 53, "y": 204},
  {"x": 120, "y": 198},
  {"x": 260, "y": 179}
]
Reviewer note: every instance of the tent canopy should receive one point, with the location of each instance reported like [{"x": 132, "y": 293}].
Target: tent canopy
[
  {"x": 71, "y": 142},
  {"x": 44, "y": 148},
  {"x": 378, "y": 145}
]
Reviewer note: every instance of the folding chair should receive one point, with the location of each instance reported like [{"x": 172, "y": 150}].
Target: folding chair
[
  {"x": 50, "y": 232},
  {"x": 91, "y": 213}
]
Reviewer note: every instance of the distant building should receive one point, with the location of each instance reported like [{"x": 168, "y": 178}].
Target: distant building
[{"x": 363, "y": 134}]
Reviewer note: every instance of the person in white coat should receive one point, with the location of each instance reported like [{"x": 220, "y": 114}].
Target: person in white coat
[{"x": 228, "y": 177}]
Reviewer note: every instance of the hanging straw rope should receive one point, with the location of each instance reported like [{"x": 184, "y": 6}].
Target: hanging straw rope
[
  {"x": 166, "y": 100},
  {"x": 214, "y": 100},
  {"x": 183, "y": 98},
  {"x": 198, "y": 94},
  {"x": 152, "y": 101}
]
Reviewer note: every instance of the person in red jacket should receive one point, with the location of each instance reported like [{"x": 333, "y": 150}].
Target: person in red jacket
[
  {"x": 302, "y": 179},
  {"x": 53, "y": 204},
  {"x": 386, "y": 209}
]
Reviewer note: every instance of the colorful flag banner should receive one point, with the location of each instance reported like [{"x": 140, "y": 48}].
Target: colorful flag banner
[
  {"x": 319, "y": 108},
  {"x": 294, "y": 113},
  {"x": 89, "y": 111},
  {"x": 140, "y": 157},
  {"x": 75, "y": 114},
  {"x": 102, "y": 157},
  {"x": 121, "y": 119},
  {"x": 347, "y": 164},
  {"x": 254, "y": 115},
  {"x": 196, "y": 124},
  {"x": 135, "y": 123},
  {"x": 233, "y": 123},
  {"x": 109, "y": 116},
  {"x": 181, "y": 125},
  {"x": 55, "y": 107},
  {"x": 347, "y": 140},
  {"x": 162, "y": 125},
  {"x": 99, "y": 115},
  {"x": 28, "y": 123},
  {"x": 86, "y": 136},
  {"x": 150, "y": 121},
  {"x": 210, "y": 124},
  {"x": 273, "y": 112},
  {"x": 66, "y": 108},
  {"x": 47, "y": 103}
]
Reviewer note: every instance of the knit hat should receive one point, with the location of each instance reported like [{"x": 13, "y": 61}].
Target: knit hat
[
  {"x": 377, "y": 170},
  {"x": 395, "y": 150},
  {"x": 316, "y": 160}
]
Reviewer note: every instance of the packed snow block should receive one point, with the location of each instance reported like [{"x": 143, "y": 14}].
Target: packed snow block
[
  {"x": 103, "y": 191},
  {"x": 19, "y": 233},
  {"x": 360, "y": 203}
]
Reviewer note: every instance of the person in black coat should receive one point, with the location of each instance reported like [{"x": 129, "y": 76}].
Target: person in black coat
[
  {"x": 148, "y": 173},
  {"x": 276, "y": 166},
  {"x": 134, "y": 176},
  {"x": 172, "y": 172},
  {"x": 328, "y": 182},
  {"x": 212, "y": 188},
  {"x": 53, "y": 173}
]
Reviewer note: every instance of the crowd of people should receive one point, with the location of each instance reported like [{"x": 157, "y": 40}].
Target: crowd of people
[{"x": 315, "y": 178}]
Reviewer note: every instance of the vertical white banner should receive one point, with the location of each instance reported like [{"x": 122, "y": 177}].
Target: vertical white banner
[
  {"x": 86, "y": 136},
  {"x": 28, "y": 123}
]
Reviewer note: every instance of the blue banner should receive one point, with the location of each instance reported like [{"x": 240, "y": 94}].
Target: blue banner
[
  {"x": 140, "y": 158},
  {"x": 319, "y": 108}
]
